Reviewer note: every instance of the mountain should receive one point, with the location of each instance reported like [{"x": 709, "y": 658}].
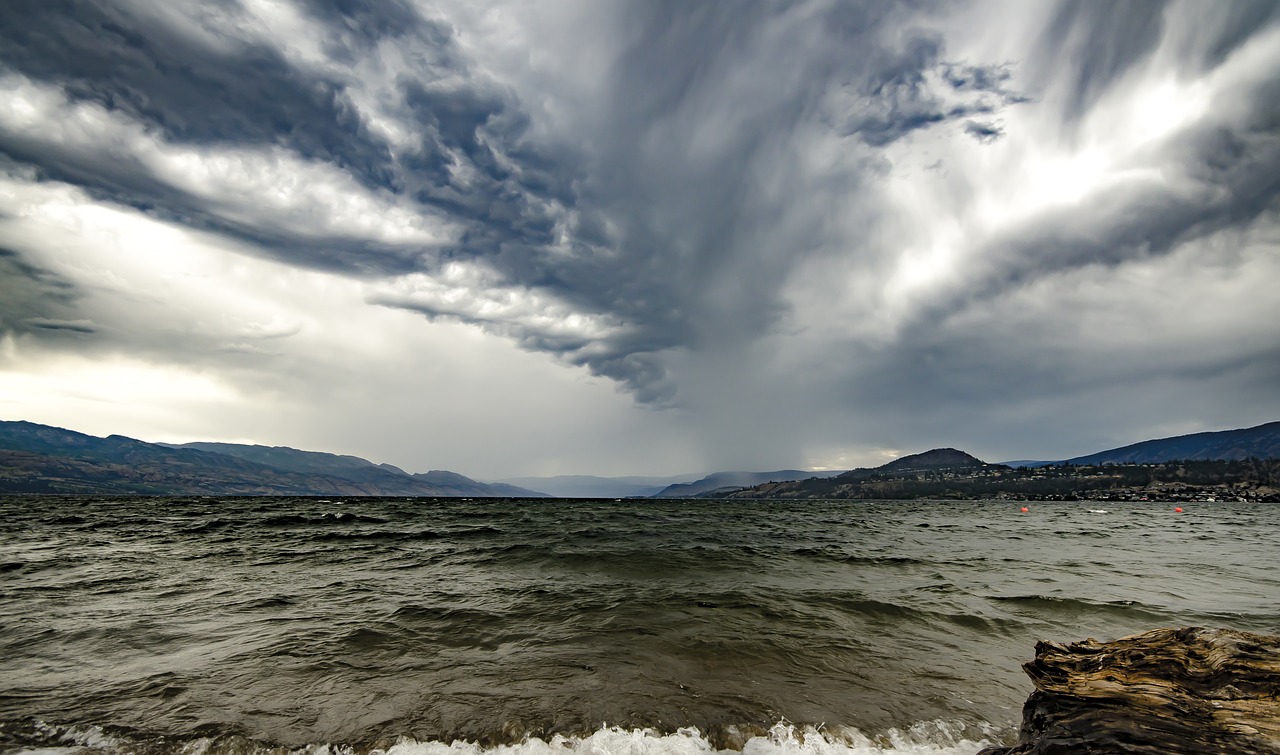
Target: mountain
[
  {"x": 940, "y": 460},
  {"x": 294, "y": 460},
  {"x": 365, "y": 472},
  {"x": 1231, "y": 465},
  {"x": 930, "y": 461},
  {"x": 459, "y": 485},
  {"x": 590, "y": 486},
  {"x": 930, "y": 470},
  {"x": 722, "y": 482},
  {"x": 1261, "y": 442},
  {"x": 41, "y": 459}
]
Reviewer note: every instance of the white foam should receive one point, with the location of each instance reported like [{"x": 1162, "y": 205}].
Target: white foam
[
  {"x": 78, "y": 739},
  {"x": 931, "y": 738},
  {"x": 927, "y": 738}
]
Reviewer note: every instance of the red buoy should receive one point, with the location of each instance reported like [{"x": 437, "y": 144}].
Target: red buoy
[
  {"x": 1024, "y": 509},
  {"x": 1178, "y": 509}
]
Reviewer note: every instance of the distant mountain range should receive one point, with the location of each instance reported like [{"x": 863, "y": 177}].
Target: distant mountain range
[
  {"x": 682, "y": 486},
  {"x": 940, "y": 463},
  {"x": 355, "y": 469},
  {"x": 591, "y": 486},
  {"x": 728, "y": 481},
  {"x": 1261, "y": 442},
  {"x": 41, "y": 459},
  {"x": 946, "y": 473}
]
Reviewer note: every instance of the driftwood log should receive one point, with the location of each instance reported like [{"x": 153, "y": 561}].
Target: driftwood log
[{"x": 1190, "y": 690}]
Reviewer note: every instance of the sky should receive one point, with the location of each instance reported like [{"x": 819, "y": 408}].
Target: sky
[{"x": 547, "y": 237}]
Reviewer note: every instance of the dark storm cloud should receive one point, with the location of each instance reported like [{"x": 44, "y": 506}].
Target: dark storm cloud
[
  {"x": 34, "y": 299},
  {"x": 509, "y": 195},
  {"x": 677, "y": 209},
  {"x": 103, "y": 53},
  {"x": 248, "y": 96},
  {"x": 190, "y": 95},
  {"x": 361, "y": 23},
  {"x": 679, "y": 240},
  {"x": 695, "y": 258},
  {"x": 115, "y": 177},
  {"x": 693, "y": 165}
]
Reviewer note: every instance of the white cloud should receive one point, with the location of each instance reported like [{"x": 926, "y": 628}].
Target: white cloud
[
  {"x": 473, "y": 294},
  {"x": 267, "y": 187},
  {"x": 201, "y": 338}
]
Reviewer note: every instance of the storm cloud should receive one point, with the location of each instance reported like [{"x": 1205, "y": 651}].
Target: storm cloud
[{"x": 804, "y": 233}]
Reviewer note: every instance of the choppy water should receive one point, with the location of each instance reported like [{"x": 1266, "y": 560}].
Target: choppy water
[{"x": 530, "y": 627}]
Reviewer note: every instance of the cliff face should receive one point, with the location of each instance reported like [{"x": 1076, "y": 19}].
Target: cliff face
[{"x": 1188, "y": 690}]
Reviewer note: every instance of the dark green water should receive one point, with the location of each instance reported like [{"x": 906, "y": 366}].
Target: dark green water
[{"x": 165, "y": 625}]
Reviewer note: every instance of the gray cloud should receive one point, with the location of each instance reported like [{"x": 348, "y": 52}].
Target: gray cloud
[
  {"x": 1216, "y": 176},
  {"x": 104, "y": 53},
  {"x": 1090, "y": 46},
  {"x": 248, "y": 96},
  {"x": 895, "y": 99},
  {"x": 34, "y": 298},
  {"x": 72, "y": 326},
  {"x": 695, "y": 254},
  {"x": 690, "y": 260},
  {"x": 708, "y": 228},
  {"x": 983, "y": 132}
]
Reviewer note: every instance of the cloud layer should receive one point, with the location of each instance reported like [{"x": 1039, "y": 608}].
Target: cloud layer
[{"x": 790, "y": 233}]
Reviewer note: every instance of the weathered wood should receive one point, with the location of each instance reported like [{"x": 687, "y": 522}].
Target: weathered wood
[{"x": 1190, "y": 690}]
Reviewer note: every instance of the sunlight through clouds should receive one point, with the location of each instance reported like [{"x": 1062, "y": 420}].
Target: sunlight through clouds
[{"x": 764, "y": 234}]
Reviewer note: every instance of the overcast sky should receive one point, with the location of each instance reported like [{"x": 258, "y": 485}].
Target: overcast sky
[{"x": 646, "y": 237}]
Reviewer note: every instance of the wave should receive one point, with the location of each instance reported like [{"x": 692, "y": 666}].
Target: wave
[
  {"x": 68, "y": 519},
  {"x": 1056, "y": 604},
  {"x": 394, "y": 535},
  {"x": 379, "y": 535},
  {"x": 206, "y": 527},
  {"x": 884, "y": 560},
  {"x": 345, "y": 517},
  {"x": 925, "y": 738}
]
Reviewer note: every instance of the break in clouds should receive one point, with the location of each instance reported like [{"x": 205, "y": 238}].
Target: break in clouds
[{"x": 805, "y": 232}]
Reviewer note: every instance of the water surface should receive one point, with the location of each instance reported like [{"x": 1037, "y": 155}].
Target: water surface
[{"x": 167, "y": 624}]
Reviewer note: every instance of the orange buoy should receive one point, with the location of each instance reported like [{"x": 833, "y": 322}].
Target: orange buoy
[
  {"x": 1178, "y": 509},
  {"x": 1024, "y": 509}
]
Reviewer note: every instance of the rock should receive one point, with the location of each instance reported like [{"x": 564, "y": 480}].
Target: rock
[{"x": 1190, "y": 690}]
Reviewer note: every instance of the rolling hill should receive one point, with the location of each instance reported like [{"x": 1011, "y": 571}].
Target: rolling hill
[
  {"x": 42, "y": 459},
  {"x": 1261, "y": 442}
]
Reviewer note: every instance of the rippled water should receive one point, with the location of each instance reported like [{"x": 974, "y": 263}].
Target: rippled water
[{"x": 162, "y": 625}]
